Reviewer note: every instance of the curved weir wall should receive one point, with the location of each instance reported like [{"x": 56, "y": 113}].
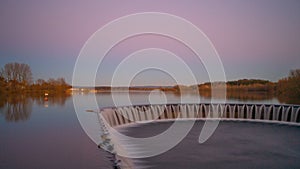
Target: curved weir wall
[
  {"x": 131, "y": 114},
  {"x": 118, "y": 116}
]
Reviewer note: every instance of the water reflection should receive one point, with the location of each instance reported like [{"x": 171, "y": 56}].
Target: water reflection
[
  {"x": 243, "y": 96},
  {"x": 17, "y": 108},
  {"x": 235, "y": 96},
  {"x": 52, "y": 100},
  {"x": 289, "y": 100}
]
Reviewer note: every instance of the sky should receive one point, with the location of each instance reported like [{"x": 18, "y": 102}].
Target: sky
[{"x": 254, "y": 39}]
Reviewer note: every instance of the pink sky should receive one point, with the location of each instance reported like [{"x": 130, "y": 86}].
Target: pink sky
[{"x": 255, "y": 39}]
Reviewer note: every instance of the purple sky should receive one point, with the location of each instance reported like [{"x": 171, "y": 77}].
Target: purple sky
[{"x": 255, "y": 39}]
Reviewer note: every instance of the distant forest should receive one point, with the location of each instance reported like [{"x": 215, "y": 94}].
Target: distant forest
[
  {"x": 286, "y": 89},
  {"x": 17, "y": 78}
]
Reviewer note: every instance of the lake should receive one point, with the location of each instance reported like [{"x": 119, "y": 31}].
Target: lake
[{"x": 38, "y": 132}]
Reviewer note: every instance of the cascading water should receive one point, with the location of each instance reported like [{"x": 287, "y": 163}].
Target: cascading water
[{"x": 114, "y": 117}]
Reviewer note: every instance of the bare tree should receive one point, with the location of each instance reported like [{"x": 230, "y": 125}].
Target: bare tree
[
  {"x": 61, "y": 81},
  {"x": 295, "y": 73},
  {"x": 40, "y": 81},
  {"x": 17, "y": 72},
  {"x": 2, "y": 73}
]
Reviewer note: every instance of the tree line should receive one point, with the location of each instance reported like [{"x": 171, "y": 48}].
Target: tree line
[
  {"x": 17, "y": 78},
  {"x": 242, "y": 85},
  {"x": 286, "y": 89},
  {"x": 289, "y": 88}
]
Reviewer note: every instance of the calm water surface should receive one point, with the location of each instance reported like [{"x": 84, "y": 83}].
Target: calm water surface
[
  {"x": 234, "y": 144},
  {"x": 42, "y": 134}
]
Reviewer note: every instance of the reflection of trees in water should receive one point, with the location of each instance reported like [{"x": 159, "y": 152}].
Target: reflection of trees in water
[
  {"x": 239, "y": 95},
  {"x": 52, "y": 100},
  {"x": 288, "y": 100},
  {"x": 19, "y": 107},
  {"x": 250, "y": 95}
]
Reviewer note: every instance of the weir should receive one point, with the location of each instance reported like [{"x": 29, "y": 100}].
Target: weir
[
  {"x": 119, "y": 116},
  {"x": 139, "y": 113}
]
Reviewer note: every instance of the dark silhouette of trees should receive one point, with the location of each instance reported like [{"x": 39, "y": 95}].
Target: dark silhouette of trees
[
  {"x": 18, "y": 92},
  {"x": 289, "y": 87},
  {"x": 51, "y": 86},
  {"x": 16, "y": 78},
  {"x": 17, "y": 72},
  {"x": 2, "y": 84},
  {"x": 242, "y": 85},
  {"x": 248, "y": 82}
]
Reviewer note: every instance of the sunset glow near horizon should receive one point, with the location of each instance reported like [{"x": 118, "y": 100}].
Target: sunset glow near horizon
[{"x": 254, "y": 39}]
